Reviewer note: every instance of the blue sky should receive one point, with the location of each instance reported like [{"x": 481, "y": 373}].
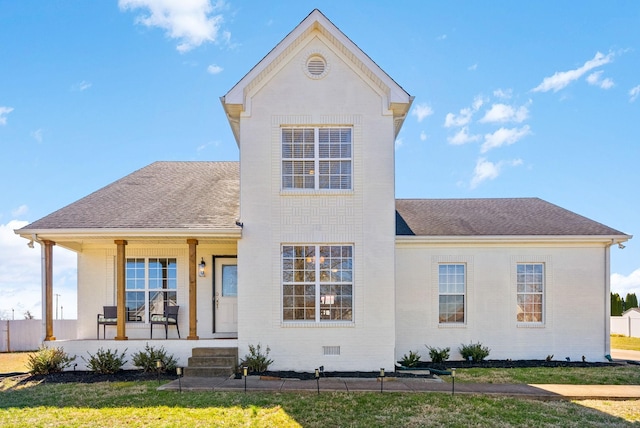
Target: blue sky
[{"x": 512, "y": 99}]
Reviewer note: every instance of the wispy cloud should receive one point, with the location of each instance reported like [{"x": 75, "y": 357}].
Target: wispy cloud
[
  {"x": 37, "y": 135},
  {"x": 633, "y": 94},
  {"x": 81, "y": 86},
  {"x": 420, "y": 111},
  {"x": 504, "y": 136},
  {"x": 505, "y": 113},
  {"x": 191, "y": 22},
  {"x": 20, "y": 211},
  {"x": 214, "y": 69},
  {"x": 563, "y": 78},
  {"x": 464, "y": 116},
  {"x": 487, "y": 170},
  {"x": 441, "y": 37},
  {"x": 4, "y": 112},
  {"x": 504, "y": 94},
  {"x": 423, "y": 136},
  {"x": 596, "y": 79},
  {"x": 463, "y": 137},
  {"x": 473, "y": 67}
]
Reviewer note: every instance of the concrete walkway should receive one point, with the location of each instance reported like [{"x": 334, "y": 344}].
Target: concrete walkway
[{"x": 539, "y": 392}]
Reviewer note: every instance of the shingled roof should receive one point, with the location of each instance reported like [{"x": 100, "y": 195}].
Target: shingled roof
[
  {"x": 163, "y": 195},
  {"x": 492, "y": 217}
]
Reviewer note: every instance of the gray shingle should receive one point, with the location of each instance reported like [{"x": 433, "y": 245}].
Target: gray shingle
[
  {"x": 173, "y": 195},
  {"x": 492, "y": 217}
]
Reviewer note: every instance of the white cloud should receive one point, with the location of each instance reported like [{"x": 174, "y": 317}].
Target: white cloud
[
  {"x": 473, "y": 67},
  {"x": 504, "y": 136},
  {"x": 20, "y": 211},
  {"x": 81, "y": 86},
  {"x": 505, "y": 113},
  {"x": 595, "y": 79},
  {"x": 420, "y": 111},
  {"x": 463, "y": 137},
  {"x": 487, "y": 170},
  {"x": 21, "y": 279},
  {"x": 503, "y": 93},
  {"x": 192, "y": 22},
  {"x": 214, "y": 69},
  {"x": 399, "y": 143},
  {"x": 423, "y": 136},
  {"x": 441, "y": 37},
  {"x": 37, "y": 135},
  {"x": 465, "y": 115},
  {"x": 563, "y": 78},
  {"x": 4, "y": 111},
  {"x": 633, "y": 95},
  {"x": 626, "y": 284}
]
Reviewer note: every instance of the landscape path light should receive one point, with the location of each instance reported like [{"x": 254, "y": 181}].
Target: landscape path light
[
  {"x": 453, "y": 381},
  {"x": 381, "y": 378}
]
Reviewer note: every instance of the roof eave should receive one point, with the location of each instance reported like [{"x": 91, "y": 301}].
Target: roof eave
[
  {"x": 34, "y": 234},
  {"x": 513, "y": 239}
]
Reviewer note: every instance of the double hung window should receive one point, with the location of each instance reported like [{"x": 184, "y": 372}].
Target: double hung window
[
  {"x": 530, "y": 292},
  {"x": 317, "y": 158},
  {"x": 150, "y": 286},
  {"x": 317, "y": 283},
  {"x": 452, "y": 291}
]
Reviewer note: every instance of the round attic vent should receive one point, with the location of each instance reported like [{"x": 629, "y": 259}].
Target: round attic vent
[{"x": 316, "y": 66}]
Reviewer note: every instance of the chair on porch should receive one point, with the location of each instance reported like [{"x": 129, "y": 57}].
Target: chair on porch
[
  {"x": 169, "y": 317},
  {"x": 109, "y": 316}
]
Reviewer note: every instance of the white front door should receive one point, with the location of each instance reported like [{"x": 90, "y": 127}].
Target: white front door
[{"x": 226, "y": 295}]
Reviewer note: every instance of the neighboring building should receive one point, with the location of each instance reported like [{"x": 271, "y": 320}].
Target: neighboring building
[
  {"x": 627, "y": 324},
  {"x": 307, "y": 251}
]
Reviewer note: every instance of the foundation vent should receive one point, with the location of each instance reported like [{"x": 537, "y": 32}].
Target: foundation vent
[{"x": 331, "y": 350}]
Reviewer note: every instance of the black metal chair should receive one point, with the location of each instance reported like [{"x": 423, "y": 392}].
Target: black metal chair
[
  {"x": 109, "y": 316},
  {"x": 169, "y": 317}
]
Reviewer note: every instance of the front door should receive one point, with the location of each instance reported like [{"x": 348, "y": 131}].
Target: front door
[{"x": 226, "y": 295}]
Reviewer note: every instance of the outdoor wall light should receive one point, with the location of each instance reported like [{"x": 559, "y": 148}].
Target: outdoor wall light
[{"x": 201, "y": 267}]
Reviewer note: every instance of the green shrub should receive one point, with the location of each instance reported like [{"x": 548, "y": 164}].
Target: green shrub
[
  {"x": 255, "y": 360},
  {"x": 48, "y": 360},
  {"x": 474, "y": 351},
  {"x": 148, "y": 359},
  {"x": 106, "y": 362},
  {"x": 438, "y": 355},
  {"x": 410, "y": 360}
]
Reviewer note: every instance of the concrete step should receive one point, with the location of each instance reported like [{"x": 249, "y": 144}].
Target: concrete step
[
  {"x": 215, "y": 352},
  {"x": 230, "y": 361},
  {"x": 207, "y": 371}
]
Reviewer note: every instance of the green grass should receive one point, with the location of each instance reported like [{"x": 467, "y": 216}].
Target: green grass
[
  {"x": 623, "y": 342},
  {"x": 139, "y": 404}
]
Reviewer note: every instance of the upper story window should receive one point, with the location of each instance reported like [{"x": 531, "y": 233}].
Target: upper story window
[{"x": 317, "y": 158}]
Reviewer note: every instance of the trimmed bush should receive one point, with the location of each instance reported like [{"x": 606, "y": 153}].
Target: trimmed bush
[
  {"x": 257, "y": 361},
  {"x": 48, "y": 360},
  {"x": 410, "y": 360},
  {"x": 106, "y": 362},
  {"x": 147, "y": 360},
  {"x": 438, "y": 355},
  {"x": 474, "y": 351}
]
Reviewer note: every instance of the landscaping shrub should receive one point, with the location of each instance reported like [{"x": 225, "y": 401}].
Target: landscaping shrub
[
  {"x": 106, "y": 362},
  {"x": 147, "y": 359},
  {"x": 474, "y": 351},
  {"x": 48, "y": 360},
  {"x": 410, "y": 360},
  {"x": 255, "y": 360},
  {"x": 438, "y": 355}
]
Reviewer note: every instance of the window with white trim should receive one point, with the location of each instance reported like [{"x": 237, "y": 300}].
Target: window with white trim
[
  {"x": 530, "y": 292},
  {"x": 317, "y": 283},
  {"x": 150, "y": 286},
  {"x": 317, "y": 158},
  {"x": 451, "y": 293}
]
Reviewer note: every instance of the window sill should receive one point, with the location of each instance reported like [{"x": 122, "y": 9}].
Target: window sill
[
  {"x": 452, "y": 325},
  {"x": 530, "y": 325},
  {"x": 313, "y": 324},
  {"x": 314, "y": 192}
]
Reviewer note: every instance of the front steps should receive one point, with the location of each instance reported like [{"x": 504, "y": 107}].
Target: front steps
[{"x": 212, "y": 362}]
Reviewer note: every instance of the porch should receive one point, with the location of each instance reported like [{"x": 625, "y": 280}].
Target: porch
[{"x": 180, "y": 349}]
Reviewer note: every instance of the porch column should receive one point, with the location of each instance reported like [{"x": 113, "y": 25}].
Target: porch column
[
  {"x": 193, "y": 291},
  {"x": 48, "y": 289},
  {"x": 120, "y": 287}
]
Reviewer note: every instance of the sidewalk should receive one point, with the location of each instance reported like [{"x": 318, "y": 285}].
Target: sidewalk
[{"x": 390, "y": 384}]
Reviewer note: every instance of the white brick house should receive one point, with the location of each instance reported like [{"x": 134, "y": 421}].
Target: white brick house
[{"x": 307, "y": 250}]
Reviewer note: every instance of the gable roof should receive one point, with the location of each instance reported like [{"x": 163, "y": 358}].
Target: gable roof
[
  {"x": 163, "y": 195},
  {"x": 492, "y": 217},
  {"x": 235, "y": 101}
]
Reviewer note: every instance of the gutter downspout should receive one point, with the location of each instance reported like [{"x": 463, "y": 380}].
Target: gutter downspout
[{"x": 607, "y": 300}]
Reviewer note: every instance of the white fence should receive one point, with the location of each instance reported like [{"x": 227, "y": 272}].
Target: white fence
[
  {"x": 625, "y": 326},
  {"x": 27, "y": 335}
]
